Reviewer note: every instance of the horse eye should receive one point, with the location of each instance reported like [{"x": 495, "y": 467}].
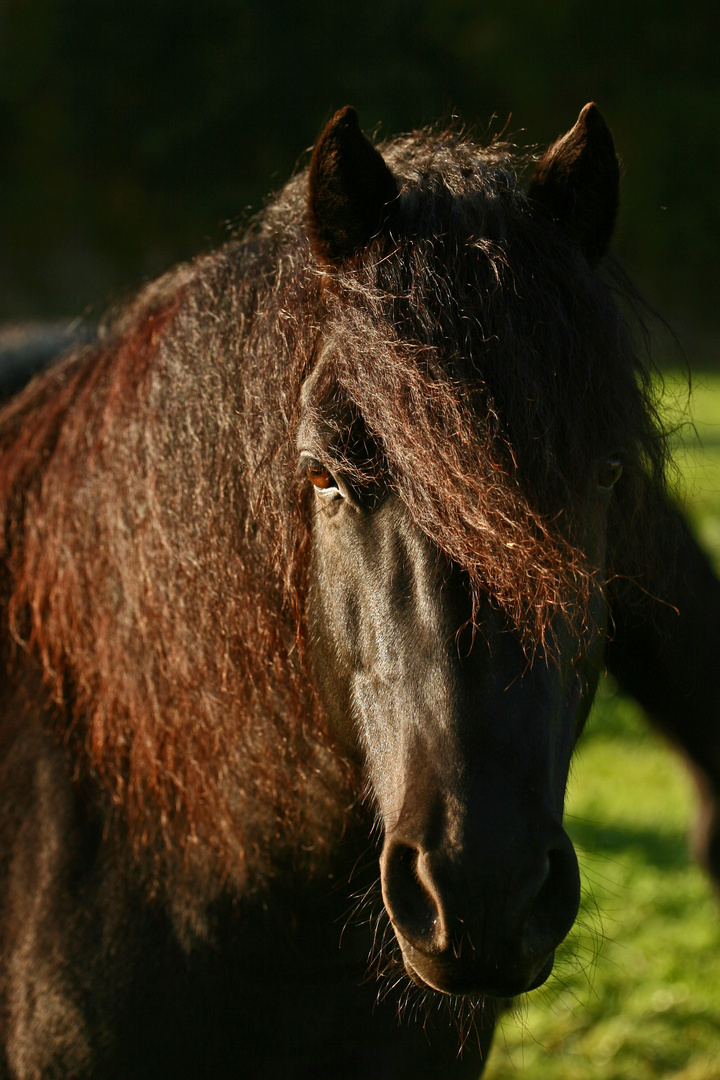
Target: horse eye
[
  {"x": 610, "y": 473},
  {"x": 318, "y": 476}
]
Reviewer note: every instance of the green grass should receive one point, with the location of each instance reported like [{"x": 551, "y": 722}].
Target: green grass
[{"x": 636, "y": 990}]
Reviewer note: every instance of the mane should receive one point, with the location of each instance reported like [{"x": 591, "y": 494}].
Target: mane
[
  {"x": 155, "y": 535},
  {"x": 513, "y": 360}
]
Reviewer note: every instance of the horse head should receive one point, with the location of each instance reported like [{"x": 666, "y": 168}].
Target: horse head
[{"x": 456, "y": 600}]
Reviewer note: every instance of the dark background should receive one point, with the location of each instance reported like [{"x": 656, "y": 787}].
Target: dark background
[{"x": 133, "y": 132}]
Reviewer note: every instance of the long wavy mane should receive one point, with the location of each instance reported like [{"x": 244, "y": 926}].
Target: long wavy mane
[{"x": 155, "y": 532}]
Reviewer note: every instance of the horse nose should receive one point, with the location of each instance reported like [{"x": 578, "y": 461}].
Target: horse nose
[
  {"x": 556, "y": 901},
  {"x": 474, "y": 925},
  {"x": 411, "y": 896}
]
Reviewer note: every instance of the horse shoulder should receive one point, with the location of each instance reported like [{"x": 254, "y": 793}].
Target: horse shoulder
[
  {"x": 78, "y": 943},
  {"x": 44, "y": 919}
]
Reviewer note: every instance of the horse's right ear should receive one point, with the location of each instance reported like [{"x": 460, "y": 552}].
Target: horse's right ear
[
  {"x": 578, "y": 183},
  {"x": 349, "y": 189}
]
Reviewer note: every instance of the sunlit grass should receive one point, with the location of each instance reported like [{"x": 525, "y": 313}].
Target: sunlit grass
[{"x": 637, "y": 988}]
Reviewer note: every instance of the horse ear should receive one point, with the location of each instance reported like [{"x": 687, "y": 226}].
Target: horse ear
[
  {"x": 349, "y": 189},
  {"x": 578, "y": 182}
]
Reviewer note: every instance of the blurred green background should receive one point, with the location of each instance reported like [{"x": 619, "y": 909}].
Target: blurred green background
[{"x": 133, "y": 131}]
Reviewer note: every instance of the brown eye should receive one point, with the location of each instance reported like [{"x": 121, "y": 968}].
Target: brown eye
[
  {"x": 318, "y": 476},
  {"x": 610, "y": 473}
]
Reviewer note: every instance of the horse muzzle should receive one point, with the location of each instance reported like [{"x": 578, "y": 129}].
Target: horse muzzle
[{"x": 478, "y": 926}]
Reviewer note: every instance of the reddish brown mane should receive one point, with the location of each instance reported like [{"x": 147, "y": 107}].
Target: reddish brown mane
[{"x": 155, "y": 535}]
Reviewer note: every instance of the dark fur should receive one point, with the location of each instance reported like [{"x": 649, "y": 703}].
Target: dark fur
[{"x": 181, "y": 804}]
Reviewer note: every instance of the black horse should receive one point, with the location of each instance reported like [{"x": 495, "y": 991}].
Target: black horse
[{"x": 310, "y": 562}]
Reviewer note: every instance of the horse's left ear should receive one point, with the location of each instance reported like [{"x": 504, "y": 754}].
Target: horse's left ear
[
  {"x": 578, "y": 182},
  {"x": 349, "y": 189}
]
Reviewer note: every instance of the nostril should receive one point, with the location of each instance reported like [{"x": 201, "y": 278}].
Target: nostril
[
  {"x": 556, "y": 903},
  {"x": 407, "y": 896}
]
